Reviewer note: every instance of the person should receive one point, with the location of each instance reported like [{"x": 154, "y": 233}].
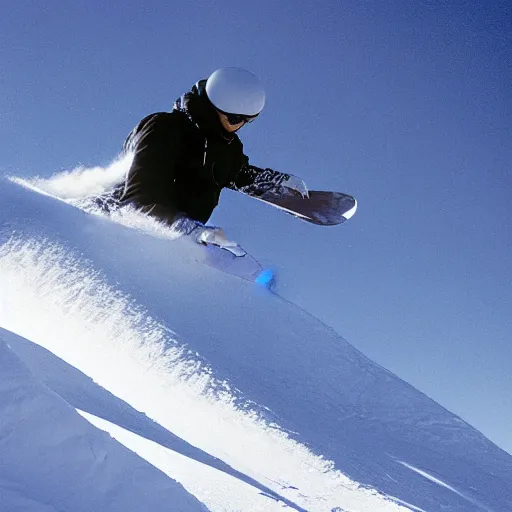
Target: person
[{"x": 183, "y": 159}]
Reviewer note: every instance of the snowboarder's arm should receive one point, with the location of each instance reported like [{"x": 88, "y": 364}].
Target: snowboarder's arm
[
  {"x": 149, "y": 183},
  {"x": 253, "y": 181}
]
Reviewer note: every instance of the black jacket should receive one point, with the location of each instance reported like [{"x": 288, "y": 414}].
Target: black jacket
[{"x": 183, "y": 159}]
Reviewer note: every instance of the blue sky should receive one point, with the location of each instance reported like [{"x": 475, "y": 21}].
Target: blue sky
[{"x": 406, "y": 105}]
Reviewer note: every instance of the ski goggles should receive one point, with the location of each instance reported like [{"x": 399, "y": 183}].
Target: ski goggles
[{"x": 234, "y": 119}]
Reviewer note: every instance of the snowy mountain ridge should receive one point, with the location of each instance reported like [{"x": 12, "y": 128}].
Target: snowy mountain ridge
[{"x": 244, "y": 399}]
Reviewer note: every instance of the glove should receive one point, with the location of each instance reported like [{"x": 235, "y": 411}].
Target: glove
[
  {"x": 212, "y": 235},
  {"x": 215, "y": 236},
  {"x": 203, "y": 234},
  {"x": 294, "y": 185},
  {"x": 184, "y": 225}
]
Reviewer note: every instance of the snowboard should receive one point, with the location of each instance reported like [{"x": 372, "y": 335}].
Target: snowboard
[{"x": 323, "y": 208}]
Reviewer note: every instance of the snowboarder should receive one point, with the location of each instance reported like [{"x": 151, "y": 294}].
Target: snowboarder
[{"x": 183, "y": 159}]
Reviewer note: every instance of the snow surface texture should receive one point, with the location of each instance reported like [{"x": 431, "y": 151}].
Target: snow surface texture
[
  {"x": 223, "y": 392},
  {"x": 53, "y": 460}
]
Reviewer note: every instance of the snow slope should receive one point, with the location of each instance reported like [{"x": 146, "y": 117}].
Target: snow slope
[
  {"x": 53, "y": 460},
  {"x": 247, "y": 401}
]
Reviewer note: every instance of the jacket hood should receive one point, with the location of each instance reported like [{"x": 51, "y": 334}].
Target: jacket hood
[{"x": 201, "y": 111}]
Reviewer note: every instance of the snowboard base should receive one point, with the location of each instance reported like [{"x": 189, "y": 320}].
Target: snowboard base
[{"x": 321, "y": 207}]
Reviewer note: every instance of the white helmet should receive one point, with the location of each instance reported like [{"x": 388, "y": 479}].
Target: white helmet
[{"x": 235, "y": 91}]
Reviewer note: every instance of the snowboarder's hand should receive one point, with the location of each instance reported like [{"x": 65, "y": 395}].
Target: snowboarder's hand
[
  {"x": 212, "y": 235},
  {"x": 296, "y": 186},
  {"x": 215, "y": 236},
  {"x": 185, "y": 225},
  {"x": 206, "y": 234}
]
